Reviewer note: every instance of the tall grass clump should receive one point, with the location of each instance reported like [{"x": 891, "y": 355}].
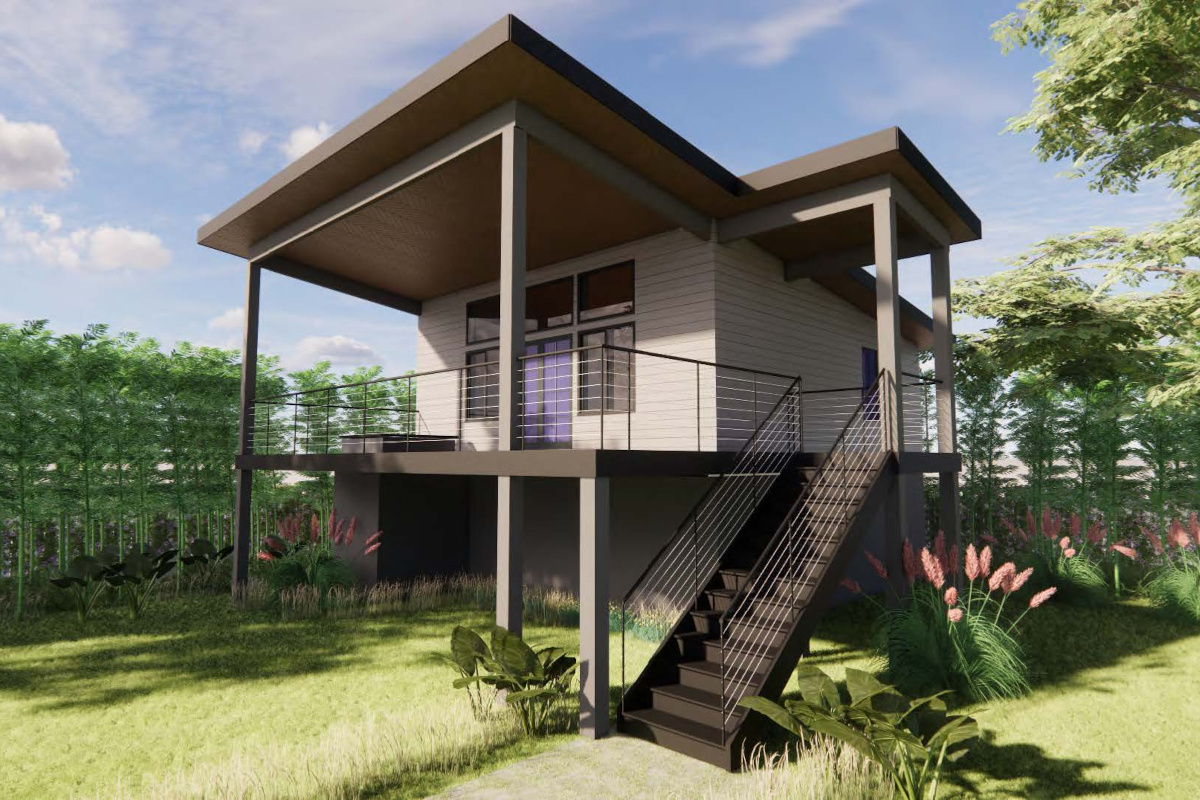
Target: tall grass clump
[
  {"x": 1074, "y": 564},
  {"x": 1174, "y": 587},
  {"x": 409, "y": 755},
  {"x": 650, "y": 622},
  {"x": 939, "y": 637},
  {"x": 813, "y": 768}
]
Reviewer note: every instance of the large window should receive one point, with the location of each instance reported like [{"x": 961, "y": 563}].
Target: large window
[
  {"x": 483, "y": 320},
  {"x": 606, "y": 292},
  {"x": 483, "y": 384},
  {"x": 547, "y": 305},
  {"x": 606, "y": 377}
]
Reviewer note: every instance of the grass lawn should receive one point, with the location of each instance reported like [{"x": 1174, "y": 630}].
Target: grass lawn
[
  {"x": 124, "y": 702},
  {"x": 113, "y": 708}
]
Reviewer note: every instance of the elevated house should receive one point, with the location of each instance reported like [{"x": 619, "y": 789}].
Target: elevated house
[{"x": 669, "y": 388}]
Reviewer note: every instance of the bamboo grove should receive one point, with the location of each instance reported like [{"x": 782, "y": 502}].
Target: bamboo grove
[
  {"x": 1096, "y": 448},
  {"x": 107, "y": 441}
]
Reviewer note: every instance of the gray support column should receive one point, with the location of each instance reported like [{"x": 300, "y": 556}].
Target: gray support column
[
  {"x": 513, "y": 162},
  {"x": 510, "y": 516},
  {"x": 593, "y": 606},
  {"x": 891, "y": 406},
  {"x": 887, "y": 321},
  {"x": 510, "y": 566},
  {"x": 245, "y": 477},
  {"x": 943, "y": 369}
]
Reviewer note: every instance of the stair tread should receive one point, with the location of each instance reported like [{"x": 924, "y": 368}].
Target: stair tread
[
  {"x": 689, "y": 693},
  {"x": 710, "y": 668},
  {"x": 705, "y": 734}
]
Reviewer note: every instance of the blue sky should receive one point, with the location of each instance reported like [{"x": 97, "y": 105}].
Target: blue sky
[{"x": 125, "y": 125}]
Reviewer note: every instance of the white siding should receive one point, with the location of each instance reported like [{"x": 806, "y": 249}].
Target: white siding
[{"x": 796, "y": 328}]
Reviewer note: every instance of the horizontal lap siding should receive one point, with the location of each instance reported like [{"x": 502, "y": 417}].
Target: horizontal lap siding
[{"x": 794, "y": 328}]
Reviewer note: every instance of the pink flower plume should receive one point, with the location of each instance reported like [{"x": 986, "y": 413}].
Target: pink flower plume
[
  {"x": 954, "y": 614},
  {"x": 933, "y": 568},
  {"x": 1042, "y": 596}
]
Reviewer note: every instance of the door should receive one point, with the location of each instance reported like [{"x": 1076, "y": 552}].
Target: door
[{"x": 546, "y": 389}]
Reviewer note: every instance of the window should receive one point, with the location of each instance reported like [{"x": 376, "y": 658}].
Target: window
[
  {"x": 606, "y": 292},
  {"x": 606, "y": 376},
  {"x": 483, "y": 320},
  {"x": 483, "y": 384},
  {"x": 870, "y": 371},
  {"x": 547, "y": 305}
]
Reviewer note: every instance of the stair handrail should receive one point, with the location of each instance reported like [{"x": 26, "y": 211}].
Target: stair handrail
[
  {"x": 732, "y": 690},
  {"x": 789, "y": 405}
]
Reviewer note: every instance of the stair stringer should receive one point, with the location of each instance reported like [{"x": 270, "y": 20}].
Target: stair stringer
[
  {"x": 664, "y": 664},
  {"x": 753, "y": 728}
]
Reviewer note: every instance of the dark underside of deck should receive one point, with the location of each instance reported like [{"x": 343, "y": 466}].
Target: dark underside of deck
[{"x": 553, "y": 463}]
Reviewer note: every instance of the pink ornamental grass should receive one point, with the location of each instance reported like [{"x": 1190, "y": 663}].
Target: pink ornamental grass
[
  {"x": 951, "y": 596},
  {"x": 954, "y": 614},
  {"x": 373, "y": 542},
  {"x": 939, "y": 547},
  {"x": 1001, "y": 575},
  {"x": 1064, "y": 542},
  {"x": 912, "y": 565},
  {"x": 1076, "y": 526},
  {"x": 851, "y": 585},
  {"x": 1194, "y": 527},
  {"x": 1177, "y": 535},
  {"x": 1042, "y": 596},
  {"x": 1069, "y": 552},
  {"x": 932, "y": 566},
  {"x": 876, "y": 564},
  {"x": 985, "y": 561},
  {"x": 1155, "y": 542},
  {"x": 954, "y": 560},
  {"x": 1128, "y": 552},
  {"x": 972, "y": 566},
  {"x": 987, "y": 537},
  {"x": 1021, "y": 578},
  {"x": 1096, "y": 533}
]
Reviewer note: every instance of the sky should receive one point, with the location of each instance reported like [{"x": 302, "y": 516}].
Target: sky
[{"x": 125, "y": 125}]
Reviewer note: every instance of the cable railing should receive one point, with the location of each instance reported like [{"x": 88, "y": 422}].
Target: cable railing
[
  {"x": 667, "y": 589},
  {"x": 827, "y": 411},
  {"x": 607, "y": 397},
  {"x": 784, "y": 576},
  {"x": 456, "y": 410}
]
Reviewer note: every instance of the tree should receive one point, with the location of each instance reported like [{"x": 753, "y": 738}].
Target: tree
[
  {"x": 27, "y": 364},
  {"x": 983, "y": 404},
  {"x": 1037, "y": 431},
  {"x": 1121, "y": 101}
]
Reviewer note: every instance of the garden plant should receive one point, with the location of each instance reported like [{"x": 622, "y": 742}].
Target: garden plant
[{"x": 911, "y": 739}]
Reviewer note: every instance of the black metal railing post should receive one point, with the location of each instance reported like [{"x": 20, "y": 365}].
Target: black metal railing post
[
  {"x": 328, "y": 410},
  {"x": 603, "y": 390},
  {"x": 697, "y": 408}
]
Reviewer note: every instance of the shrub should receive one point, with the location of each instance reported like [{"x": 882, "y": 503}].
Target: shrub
[
  {"x": 912, "y": 740},
  {"x": 302, "y": 555},
  {"x": 535, "y": 684},
  {"x": 938, "y": 638},
  {"x": 84, "y": 582},
  {"x": 138, "y": 575},
  {"x": 1174, "y": 587}
]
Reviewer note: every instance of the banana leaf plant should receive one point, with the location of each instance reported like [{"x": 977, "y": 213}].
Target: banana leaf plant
[
  {"x": 84, "y": 581},
  {"x": 533, "y": 683},
  {"x": 138, "y": 575},
  {"x": 204, "y": 556},
  {"x": 912, "y": 740}
]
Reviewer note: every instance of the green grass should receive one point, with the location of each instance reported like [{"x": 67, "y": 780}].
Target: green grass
[
  {"x": 198, "y": 683},
  {"x": 197, "y": 691}
]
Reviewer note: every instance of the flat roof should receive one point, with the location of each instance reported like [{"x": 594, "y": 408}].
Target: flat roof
[{"x": 439, "y": 235}]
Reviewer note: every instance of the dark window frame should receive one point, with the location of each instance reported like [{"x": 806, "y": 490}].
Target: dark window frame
[
  {"x": 608, "y": 404},
  {"x": 581, "y": 283},
  {"x": 491, "y": 403},
  {"x": 574, "y": 312}
]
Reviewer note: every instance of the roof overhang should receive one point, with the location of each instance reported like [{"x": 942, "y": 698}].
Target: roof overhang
[{"x": 404, "y": 201}]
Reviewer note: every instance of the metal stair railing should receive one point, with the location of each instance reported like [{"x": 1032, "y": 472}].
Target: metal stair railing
[
  {"x": 671, "y": 583},
  {"x": 787, "y": 567}
]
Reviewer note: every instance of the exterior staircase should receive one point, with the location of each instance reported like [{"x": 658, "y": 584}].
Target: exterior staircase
[{"x": 748, "y": 575}]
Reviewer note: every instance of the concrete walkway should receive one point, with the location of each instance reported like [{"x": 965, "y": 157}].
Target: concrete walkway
[{"x": 615, "y": 767}]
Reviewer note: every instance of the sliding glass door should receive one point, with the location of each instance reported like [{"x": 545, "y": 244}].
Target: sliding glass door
[{"x": 546, "y": 388}]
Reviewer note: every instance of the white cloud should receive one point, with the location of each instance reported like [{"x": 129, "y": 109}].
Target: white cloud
[
  {"x": 762, "y": 42},
  {"x": 103, "y": 248},
  {"x": 341, "y": 351},
  {"x": 911, "y": 82},
  {"x": 303, "y": 139},
  {"x": 251, "y": 141},
  {"x": 31, "y": 157},
  {"x": 232, "y": 319}
]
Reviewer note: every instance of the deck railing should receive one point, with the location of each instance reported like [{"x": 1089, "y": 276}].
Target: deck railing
[{"x": 595, "y": 398}]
